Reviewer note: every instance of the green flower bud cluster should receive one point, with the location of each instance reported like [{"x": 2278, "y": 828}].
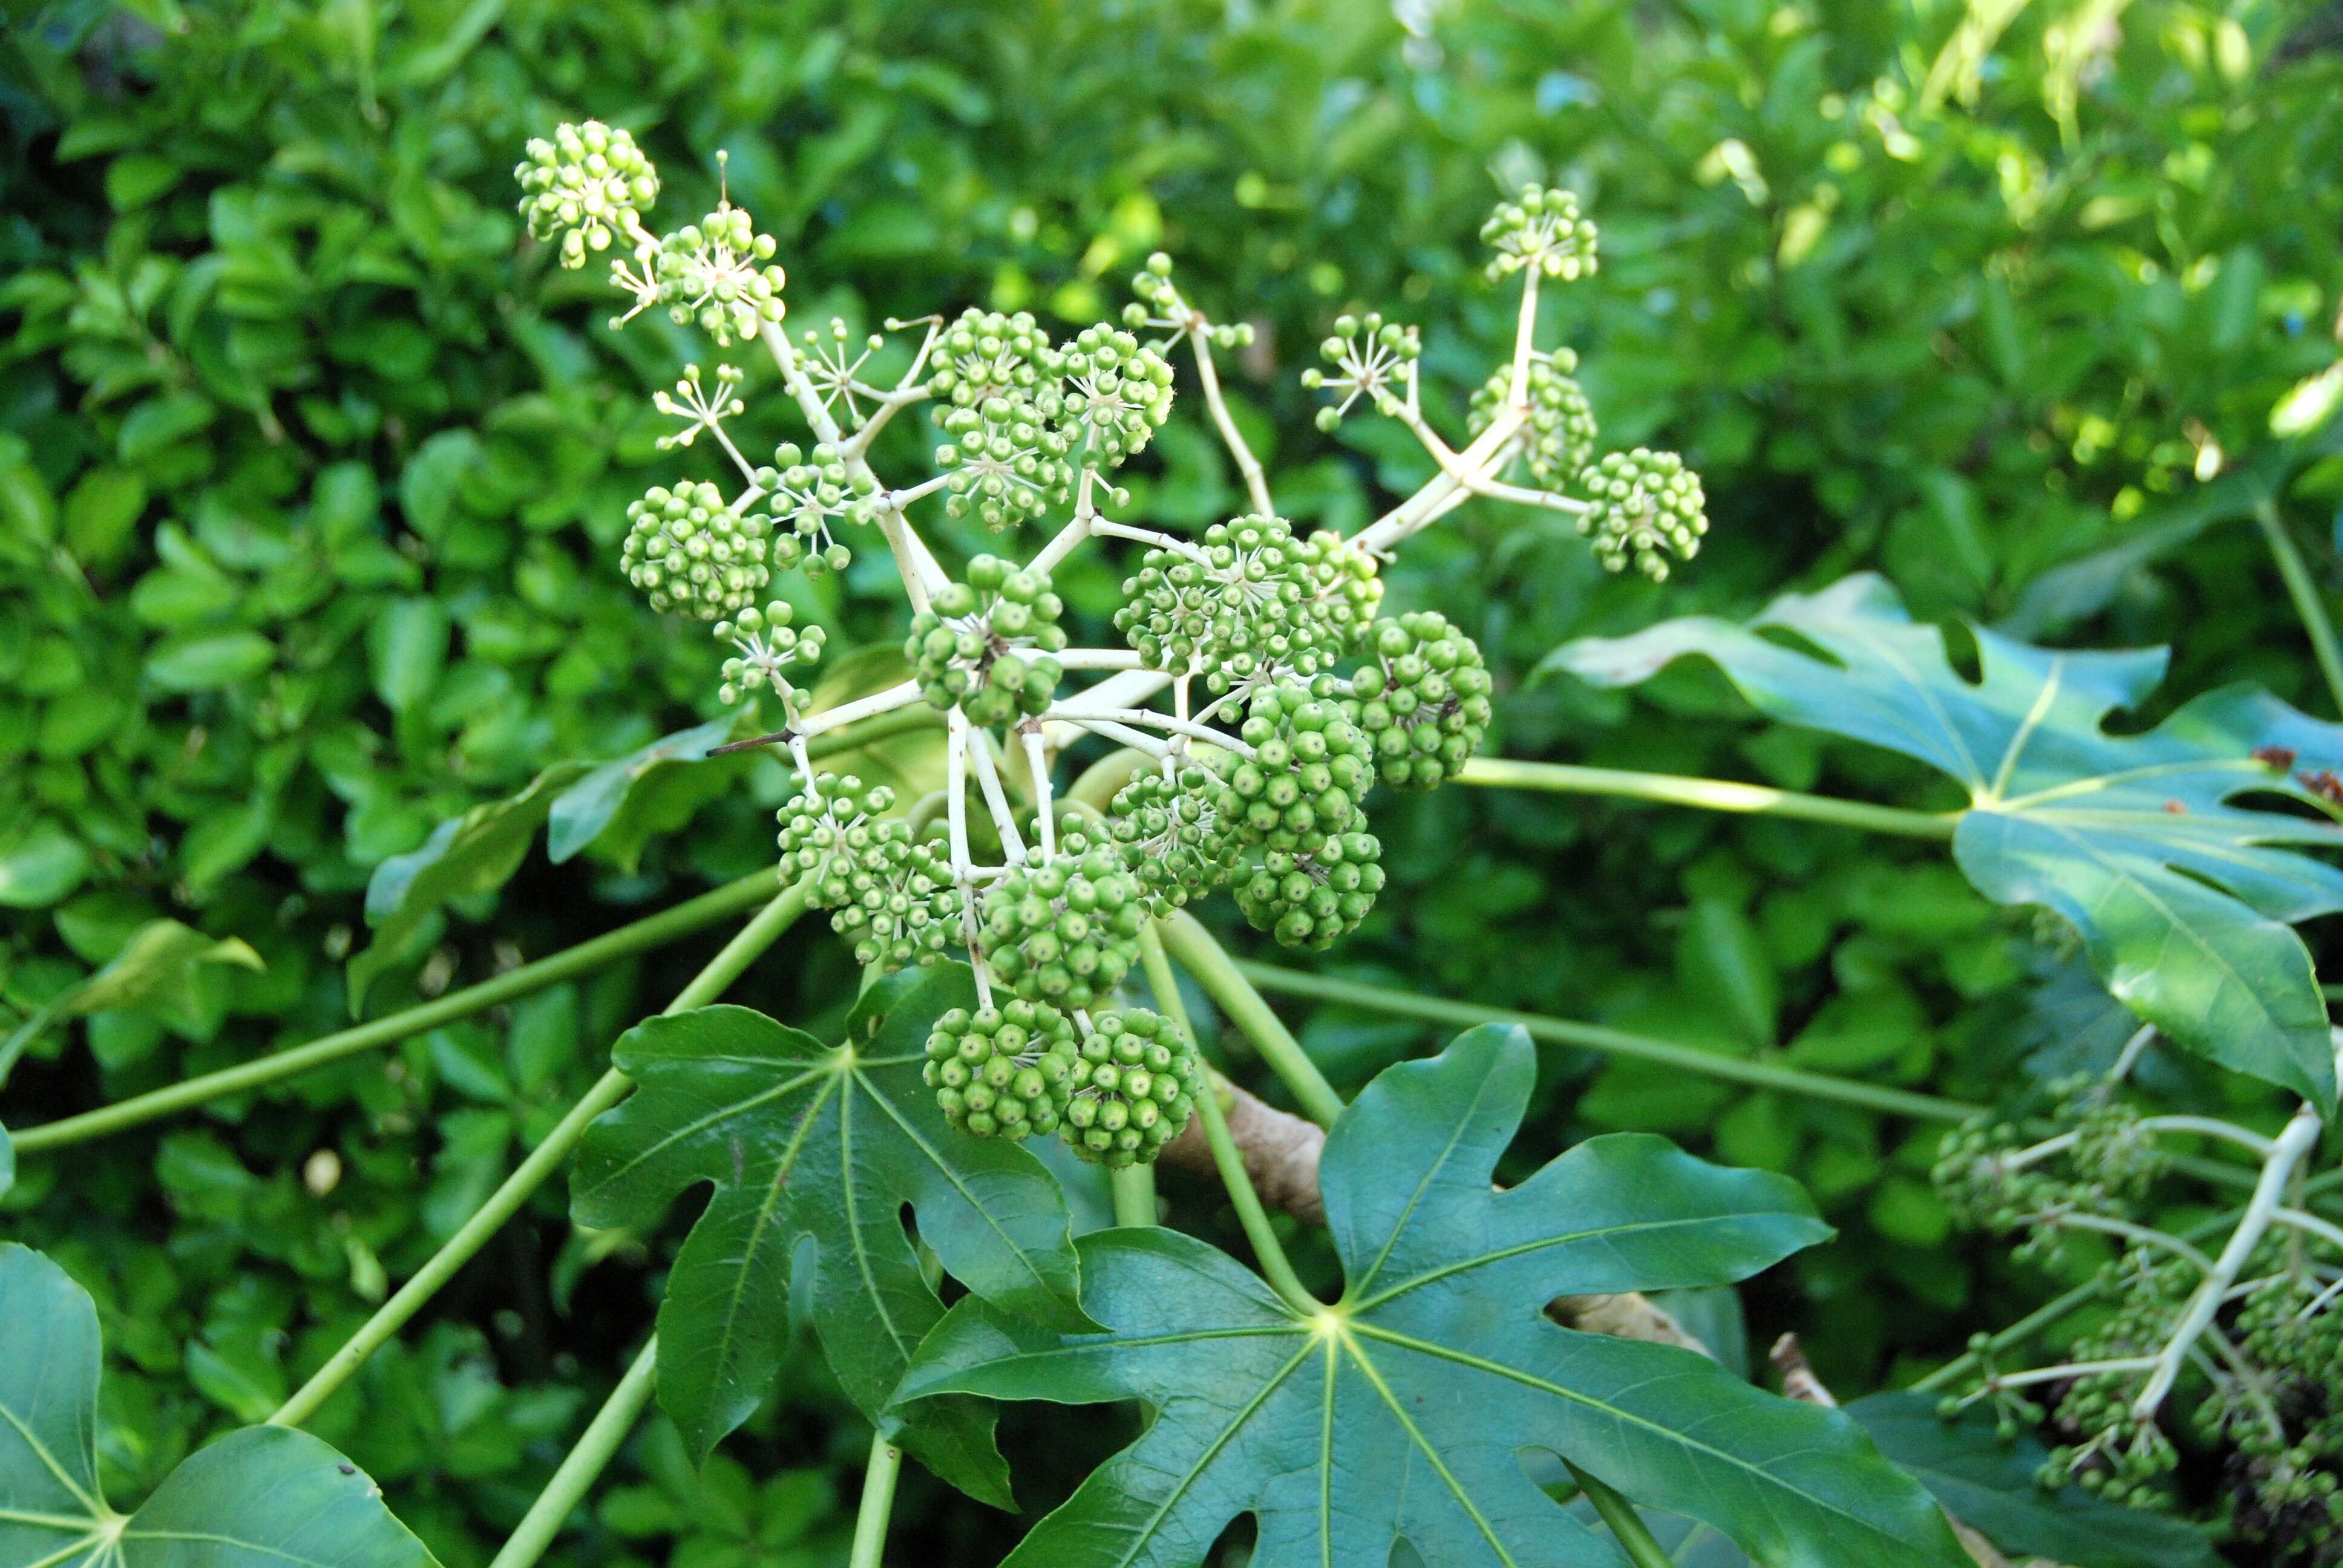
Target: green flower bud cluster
[
  {"x": 1154, "y": 287},
  {"x": 1003, "y": 1071},
  {"x": 983, "y": 645},
  {"x": 1134, "y": 1084},
  {"x": 1646, "y": 505},
  {"x": 1173, "y": 835},
  {"x": 1243, "y": 603},
  {"x": 1369, "y": 356},
  {"x": 1308, "y": 900},
  {"x": 804, "y": 494},
  {"x": 1309, "y": 768},
  {"x": 1065, "y": 930},
  {"x": 691, "y": 553},
  {"x": 1542, "y": 232},
  {"x": 2118, "y": 1454},
  {"x": 2004, "y": 1175},
  {"x": 894, "y": 898},
  {"x": 1006, "y": 461},
  {"x": 1345, "y": 587},
  {"x": 766, "y": 648},
  {"x": 985, "y": 355},
  {"x": 1118, "y": 393},
  {"x": 717, "y": 273},
  {"x": 588, "y": 185},
  {"x": 1561, "y": 433},
  {"x": 1422, "y": 698}
]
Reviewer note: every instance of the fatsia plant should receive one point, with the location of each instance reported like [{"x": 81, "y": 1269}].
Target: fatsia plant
[{"x": 998, "y": 791}]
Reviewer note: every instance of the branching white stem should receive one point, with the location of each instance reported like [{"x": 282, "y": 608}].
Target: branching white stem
[
  {"x": 894, "y": 696},
  {"x": 1037, "y": 765},
  {"x": 1150, "y": 717},
  {"x": 1256, "y": 482},
  {"x": 2278, "y": 1167}
]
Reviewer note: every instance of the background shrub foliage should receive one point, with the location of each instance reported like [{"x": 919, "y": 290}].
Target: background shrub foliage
[{"x": 311, "y": 479}]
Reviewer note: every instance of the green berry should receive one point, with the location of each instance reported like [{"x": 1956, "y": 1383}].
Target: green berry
[
  {"x": 586, "y": 186},
  {"x": 1646, "y": 505},
  {"x": 1371, "y": 357},
  {"x": 766, "y": 649},
  {"x": 985, "y": 354},
  {"x": 892, "y": 898},
  {"x": 806, "y": 496},
  {"x": 1173, "y": 835},
  {"x": 1248, "y": 602},
  {"x": 691, "y": 553},
  {"x": 1421, "y": 697},
  {"x": 1064, "y": 930},
  {"x": 983, "y": 645},
  {"x": 1118, "y": 393},
  {"x": 1542, "y": 231},
  {"x": 1134, "y": 1086},
  {"x": 1560, "y": 432},
  {"x": 1308, "y": 900},
  {"x": 719, "y": 272},
  {"x": 1310, "y": 767},
  {"x": 1005, "y": 1071}
]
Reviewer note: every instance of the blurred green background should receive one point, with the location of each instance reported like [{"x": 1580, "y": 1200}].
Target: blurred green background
[{"x": 311, "y": 478}]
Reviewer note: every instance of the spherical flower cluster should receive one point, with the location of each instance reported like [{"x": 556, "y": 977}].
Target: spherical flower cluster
[
  {"x": 1118, "y": 393},
  {"x": 1243, "y": 603},
  {"x": 984, "y": 644},
  {"x": 1560, "y": 432},
  {"x": 1308, "y": 900},
  {"x": 985, "y": 354},
  {"x": 1006, "y": 462},
  {"x": 1309, "y": 768},
  {"x": 2002, "y": 1175},
  {"x": 766, "y": 647},
  {"x": 1065, "y": 930},
  {"x": 689, "y": 552},
  {"x": 1134, "y": 1085},
  {"x": 1345, "y": 587},
  {"x": 1173, "y": 835},
  {"x": 717, "y": 273},
  {"x": 1369, "y": 356},
  {"x": 1646, "y": 505},
  {"x": 1004, "y": 1072},
  {"x": 1155, "y": 288},
  {"x": 588, "y": 185},
  {"x": 1422, "y": 698},
  {"x": 1540, "y": 231},
  {"x": 891, "y": 897},
  {"x": 805, "y": 494}
]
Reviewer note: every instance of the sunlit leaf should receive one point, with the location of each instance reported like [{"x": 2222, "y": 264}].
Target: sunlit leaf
[{"x": 2182, "y": 898}]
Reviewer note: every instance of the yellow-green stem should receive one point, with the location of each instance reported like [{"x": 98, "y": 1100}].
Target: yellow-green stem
[
  {"x": 531, "y": 1174},
  {"x": 1625, "y": 1523},
  {"x": 1205, "y": 959},
  {"x": 2307, "y": 604},
  {"x": 652, "y": 931},
  {"x": 584, "y": 1465},
  {"x": 1135, "y": 1194},
  {"x": 878, "y": 1475},
  {"x": 1709, "y": 795},
  {"x": 1268, "y": 1251}
]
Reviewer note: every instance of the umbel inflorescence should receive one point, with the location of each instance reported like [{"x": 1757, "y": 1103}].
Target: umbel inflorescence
[
  {"x": 1260, "y": 694},
  {"x": 2234, "y": 1338}
]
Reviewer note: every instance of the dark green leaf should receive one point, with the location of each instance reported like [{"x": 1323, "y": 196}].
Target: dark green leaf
[
  {"x": 208, "y": 662},
  {"x": 2182, "y": 902},
  {"x": 1988, "y": 1486},
  {"x": 265, "y": 1497},
  {"x": 807, "y": 1142},
  {"x": 1401, "y": 1411},
  {"x": 623, "y": 803},
  {"x": 39, "y": 865}
]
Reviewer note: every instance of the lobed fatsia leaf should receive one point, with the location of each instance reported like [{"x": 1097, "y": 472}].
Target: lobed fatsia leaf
[
  {"x": 265, "y": 1497},
  {"x": 1405, "y": 1411},
  {"x": 1988, "y": 1485},
  {"x": 823, "y": 1147},
  {"x": 2184, "y": 899}
]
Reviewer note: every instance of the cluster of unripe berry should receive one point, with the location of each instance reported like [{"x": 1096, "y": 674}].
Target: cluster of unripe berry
[
  {"x": 983, "y": 644},
  {"x": 585, "y": 188},
  {"x": 1562, "y": 430},
  {"x": 1116, "y": 1093},
  {"x": 1247, "y": 603},
  {"x": 890, "y": 894}
]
